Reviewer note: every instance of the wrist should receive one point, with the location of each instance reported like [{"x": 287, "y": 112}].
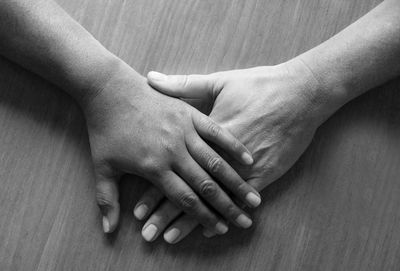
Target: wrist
[
  {"x": 117, "y": 92},
  {"x": 96, "y": 79},
  {"x": 324, "y": 95}
]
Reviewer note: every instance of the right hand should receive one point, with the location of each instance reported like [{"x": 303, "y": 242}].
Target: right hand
[
  {"x": 273, "y": 110},
  {"x": 135, "y": 129}
]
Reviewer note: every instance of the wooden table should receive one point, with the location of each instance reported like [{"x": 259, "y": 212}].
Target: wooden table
[{"x": 337, "y": 209}]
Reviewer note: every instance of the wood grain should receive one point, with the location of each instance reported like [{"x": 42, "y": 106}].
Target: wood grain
[{"x": 336, "y": 209}]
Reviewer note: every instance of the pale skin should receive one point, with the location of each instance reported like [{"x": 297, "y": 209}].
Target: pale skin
[
  {"x": 132, "y": 128},
  {"x": 276, "y": 110}
]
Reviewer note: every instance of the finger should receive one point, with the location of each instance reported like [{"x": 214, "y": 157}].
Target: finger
[
  {"x": 150, "y": 199},
  {"x": 159, "y": 220},
  {"x": 107, "y": 200},
  {"x": 180, "y": 229},
  {"x": 208, "y": 233},
  {"x": 183, "y": 86},
  {"x": 254, "y": 182},
  {"x": 211, "y": 131},
  {"x": 260, "y": 183},
  {"x": 180, "y": 194},
  {"x": 211, "y": 192},
  {"x": 223, "y": 172}
]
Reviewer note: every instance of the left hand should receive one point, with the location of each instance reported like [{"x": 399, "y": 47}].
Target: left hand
[
  {"x": 274, "y": 111},
  {"x": 134, "y": 129}
]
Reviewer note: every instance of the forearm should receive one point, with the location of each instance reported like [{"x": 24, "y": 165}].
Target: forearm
[
  {"x": 43, "y": 38},
  {"x": 362, "y": 56}
]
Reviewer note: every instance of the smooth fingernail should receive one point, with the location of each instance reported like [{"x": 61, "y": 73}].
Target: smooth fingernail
[
  {"x": 221, "y": 228},
  {"x": 253, "y": 199},
  {"x": 141, "y": 211},
  {"x": 149, "y": 232},
  {"x": 172, "y": 235},
  {"x": 157, "y": 76},
  {"x": 208, "y": 233},
  {"x": 106, "y": 225},
  {"x": 247, "y": 159},
  {"x": 244, "y": 221}
]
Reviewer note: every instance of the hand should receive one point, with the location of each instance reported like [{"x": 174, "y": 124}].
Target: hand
[
  {"x": 134, "y": 129},
  {"x": 274, "y": 111}
]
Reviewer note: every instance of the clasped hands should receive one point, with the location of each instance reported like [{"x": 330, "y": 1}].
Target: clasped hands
[
  {"x": 207, "y": 143},
  {"x": 259, "y": 122}
]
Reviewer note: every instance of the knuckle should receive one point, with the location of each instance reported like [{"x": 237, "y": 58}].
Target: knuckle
[
  {"x": 150, "y": 167},
  {"x": 214, "y": 164},
  {"x": 185, "y": 80},
  {"x": 169, "y": 131},
  {"x": 188, "y": 201},
  {"x": 161, "y": 218},
  {"x": 231, "y": 210},
  {"x": 208, "y": 189},
  {"x": 103, "y": 199},
  {"x": 198, "y": 148},
  {"x": 169, "y": 148},
  {"x": 147, "y": 164},
  {"x": 243, "y": 187},
  {"x": 214, "y": 130},
  {"x": 236, "y": 146}
]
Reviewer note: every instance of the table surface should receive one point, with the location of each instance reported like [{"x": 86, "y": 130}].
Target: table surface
[{"x": 336, "y": 209}]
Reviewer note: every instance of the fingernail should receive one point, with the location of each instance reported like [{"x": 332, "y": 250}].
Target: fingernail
[
  {"x": 141, "y": 211},
  {"x": 172, "y": 235},
  {"x": 149, "y": 232},
  {"x": 157, "y": 76},
  {"x": 253, "y": 199},
  {"x": 106, "y": 225},
  {"x": 244, "y": 221},
  {"x": 208, "y": 233},
  {"x": 247, "y": 159},
  {"x": 221, "y": 228}
]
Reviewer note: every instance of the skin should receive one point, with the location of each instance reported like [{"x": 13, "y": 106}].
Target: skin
[
  {"x": 132, "y": 128},
  {"x": 276, "y": 110}
]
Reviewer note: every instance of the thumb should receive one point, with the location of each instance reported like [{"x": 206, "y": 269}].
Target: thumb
[
  {"x": 193, "y": 86},
  {"x": 107, "y": 200}
]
